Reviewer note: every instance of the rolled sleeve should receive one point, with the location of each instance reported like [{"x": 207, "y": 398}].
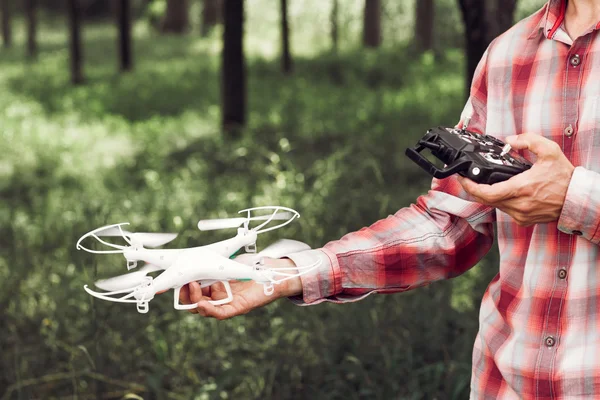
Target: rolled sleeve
[
  {"x": 323, "y": 281},
  {"x": 581, "y": 211}
]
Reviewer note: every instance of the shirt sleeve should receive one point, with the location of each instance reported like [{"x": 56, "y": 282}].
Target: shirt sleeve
[
  {"x": 442, "y": 235},
  {"x": 581, "y": 211}
]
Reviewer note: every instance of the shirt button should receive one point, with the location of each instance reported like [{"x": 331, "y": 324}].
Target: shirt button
[
  {"x": 562, "y": 273},
  {"x": 569, "y": 131},
  {"x": 575, "y": 60},
  {"x": 550, "y": 341}
]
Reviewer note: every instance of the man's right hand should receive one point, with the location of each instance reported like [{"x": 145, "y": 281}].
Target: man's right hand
[{"x": 246, "y": 295}]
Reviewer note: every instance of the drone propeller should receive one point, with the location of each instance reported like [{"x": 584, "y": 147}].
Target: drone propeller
[
  {"x": 129, "y": 280},
  {"x": 145, "y": 239},
  {"x": 225, "y": 223}
]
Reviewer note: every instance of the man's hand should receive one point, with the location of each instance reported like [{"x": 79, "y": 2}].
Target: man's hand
[
  {"x": 246, "y": 295},
  {"x": 535, "y": 196}
]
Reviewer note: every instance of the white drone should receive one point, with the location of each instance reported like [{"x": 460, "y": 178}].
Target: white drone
[{"x": 205, "y": 264}]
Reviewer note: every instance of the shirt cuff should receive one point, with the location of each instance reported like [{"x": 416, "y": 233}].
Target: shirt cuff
[
  {"x": 323, "y": 281},
  {"x": 580, "y": 214}
]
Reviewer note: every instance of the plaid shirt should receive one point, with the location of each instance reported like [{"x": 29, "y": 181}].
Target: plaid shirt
[{"x": 539, "y": 331}]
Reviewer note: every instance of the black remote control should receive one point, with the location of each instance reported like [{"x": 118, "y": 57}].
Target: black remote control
[{"x": 481, "y": 158}]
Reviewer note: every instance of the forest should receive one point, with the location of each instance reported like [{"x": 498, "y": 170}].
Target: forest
[{"x": 164, "y": 112}]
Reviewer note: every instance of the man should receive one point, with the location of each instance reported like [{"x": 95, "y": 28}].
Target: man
[{"x": 537, "y": 87}]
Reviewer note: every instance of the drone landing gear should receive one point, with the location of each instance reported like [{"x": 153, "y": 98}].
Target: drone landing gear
[
  {"x": 179, "y": 306},
  {"x": 142, "y": 307}
]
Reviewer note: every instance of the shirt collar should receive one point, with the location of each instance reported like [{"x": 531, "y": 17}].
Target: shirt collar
[{"x": 552, "y": 18}]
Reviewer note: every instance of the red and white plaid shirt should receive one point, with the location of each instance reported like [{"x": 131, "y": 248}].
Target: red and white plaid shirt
[{"x": 539, "y": 331}]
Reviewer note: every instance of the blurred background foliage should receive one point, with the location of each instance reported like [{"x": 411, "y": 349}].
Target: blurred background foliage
[{"x": 147, "y": 147}]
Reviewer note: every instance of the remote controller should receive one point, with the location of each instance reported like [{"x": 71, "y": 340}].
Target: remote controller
[{"x": 481, "y": 158}]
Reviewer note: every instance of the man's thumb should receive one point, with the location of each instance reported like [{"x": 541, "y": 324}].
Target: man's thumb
[{"x": 537, "y": 144}]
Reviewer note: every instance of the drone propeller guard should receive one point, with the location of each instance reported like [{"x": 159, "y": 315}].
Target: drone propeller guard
[
  {"x": 288, "y": 212},
  {"x": 134, "y": 241},
  {"x": 96, "y": 234},
  {"x": 278, "y": 214}
]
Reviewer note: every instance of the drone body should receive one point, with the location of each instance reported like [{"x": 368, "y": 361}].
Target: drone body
[
  {"x": 204, "y": 264},
  {"x": 166, "y": 257}
]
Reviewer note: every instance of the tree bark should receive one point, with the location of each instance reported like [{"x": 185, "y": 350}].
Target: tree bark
[
  {"x": 233, "y": 67},
  {"x": 479, "y": 33},
  {"x": 124, "y": 21},
  {"x": 75, "y": 45},
  {"x": 503, "y": 13},
  {"x": 424, "y": 25},
  {"x": 286, "y": 57},
  {"x": 30, "y": 10},
  {"x": 211, "y": 15},
  {"x": 333, "y": 20},
  {"x": 372, "y": 23},
  {"x": 176, "y": 19},
  {"x": 6, "y": 28}
]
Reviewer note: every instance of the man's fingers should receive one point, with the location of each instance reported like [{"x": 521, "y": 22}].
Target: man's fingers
[
  {"x": 489, "y": 194},
  {"x": 537, "y": 144},
  {"x": 195, "y": 292},
  {"x": 218, "y": 291},
  {"x": 184, "y": 295},
  {"x": 219, "y": 312}
]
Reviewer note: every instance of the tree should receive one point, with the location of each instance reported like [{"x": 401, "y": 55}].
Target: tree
[
  {"x": 176, "y": 19},
  {"x": 479, "y": 33},
  {"x": 6, "y": 28},
  {"x": 74, "y": 11},
  {"x": 424, "y": 24},
  {"x": 501, "y": 16},
  {"x": 333, "y": 21},
  {"x": 286, "y": 58},
  {"x": 233, "y": 66},
  {"x": 372, "y": 23},
  {"x": 124, "y": 21},
  {"x": 211, "y": 15},
  {"x": 30, "y": 11}
]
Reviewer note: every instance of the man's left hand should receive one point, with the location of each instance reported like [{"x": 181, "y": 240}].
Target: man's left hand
[{"x": 535, "y": 196}]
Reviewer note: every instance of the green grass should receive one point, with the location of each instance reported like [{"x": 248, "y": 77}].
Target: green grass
[{"x": 146, "y": 147}]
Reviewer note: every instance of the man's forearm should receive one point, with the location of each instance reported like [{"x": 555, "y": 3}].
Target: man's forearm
[{"x": 441, "y": 236}]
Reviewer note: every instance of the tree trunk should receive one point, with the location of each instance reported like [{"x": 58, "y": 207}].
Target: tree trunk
[
  {"x": 424, "y": 25},
  {"x": 6, "y": 28},
  {"x": 333, "y": 20},
  {"x": 233, "y": 67},
  {"x": 372, "y": 23},
  {"x": 211, "y": 15},
  {"x": 124, "y": 21},
  {"x": 176, "y": 19},
  {"x": 30, "y": 10},
  {"x": 503, "y": 15},
  {"x": 75, "y": 47},
  {"x": 479, "y": 33},
  {"x": 286, "y": 57}
]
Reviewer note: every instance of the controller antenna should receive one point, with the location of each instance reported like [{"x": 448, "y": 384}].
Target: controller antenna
[{"x": 466, "y": 123}]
